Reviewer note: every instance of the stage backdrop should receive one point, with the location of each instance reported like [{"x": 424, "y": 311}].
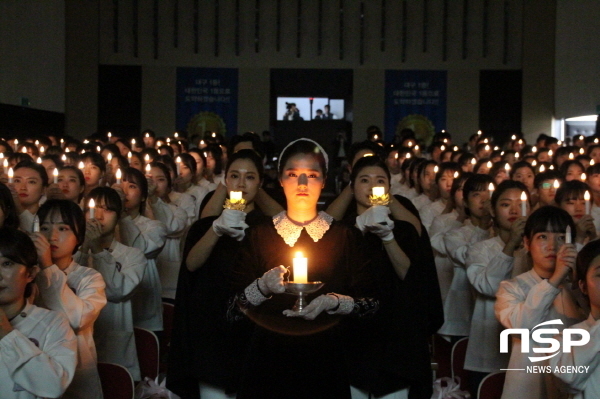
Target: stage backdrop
[
  {"x": 415, "y": 100},
  {"x": 207, "y": 99}
]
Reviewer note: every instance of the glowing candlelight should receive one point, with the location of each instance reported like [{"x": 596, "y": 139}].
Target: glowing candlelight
[
  {"x": 456, "y": 174},
  {"x": 416, "y": 148},
  {"x": 379, "y": 191},
  {"x": 487, "y": 147},
  {"x": 24, "y": 150},
  {"x": 129, "y": 155},
  {"x": 516, "y": 156},
  {"x": 479, "y": 132},
  {"x": 520, "y": 141},
  {"x": 147, "y": 158},
  {"x": 581, "y": 151},
  {"x": 436, "y": 169},
  {"x": 507, "y": 167},
  {"x": 408, "y": 155},
  {"x": 11, "y": 175},
  {"x": 513, "y": 137},
  {"x": 92, "y": 207},
  {"x": 147, "y": 135},
  {"x": 98, "y": 149},
  {"x": 148, "y": 168},
  {"x": 583, "y": 177},
  {"x": 36, "y": 224},
  {"x": 300, "y": 269},
  {"x": 132, "y": 143},
  {"x": 109, "y": 135},
  {"x": 571, "y": 156},
  {"x": 556, "y": 184},
  {"x": 550, "y": 153},
  {"x": 55, "y": 174},
  {"x": 534, "y": 149},
  {"x": 592, "y": 162},
  {"x": 86, "y": 141},
  {"x": 37, "y": 142},
  {"x": 568, "y": 237},
  {"x": 5, "y": 163},
  {"x": 81, "y": 165},
  {"x": 376, "y": 137},
  {"x": 16, "y": 144},
  {"x": 168, "y": 140},
  {"x": 534, "y": 163},
  {"x": 489, "y": 164},
  {"x": 595, "y": 141},
  {"x": 178, "y": 164},
  {"x": 473, "y": 161},
  {"x": 42, "y": 149},
  {"x": 443, "y": 148},
  {"x": 39, "y": 160},
  {"x": 496, "y": 148},
  {"x": 235, "y": 196},
  {"x": 542, "y": 168},
  {"x": 119, "y": 175},
  {"x": 396, "y": 156},
  {"x": 523, "y": 204},
  {"x": 491, "y": 188},
  {"x": 551, "y": 167},
  {"x": 587, "y": 197},
  {"x": 455, "y": 148},
  {"x": 109, "y": 157},
  {"x": 214, "y": 134}
]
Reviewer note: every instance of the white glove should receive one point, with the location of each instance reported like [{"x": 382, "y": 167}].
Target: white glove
[
  {"x": 376, "y": 220},
  {"x": 232, "y": 223},
  {"x": 272, "y": 281},
  {"x": 341, "y": 303}
]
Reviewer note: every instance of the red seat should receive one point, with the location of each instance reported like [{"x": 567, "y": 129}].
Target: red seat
[
  {"x": 168, "y": 313},
  {"x": 442, "y": 354},
  {"x": 492, "y": 385},
  {"x": 146, "y": 345},
  {"x": 116, "y": 381},
  {"x": 459, "y": 352}
]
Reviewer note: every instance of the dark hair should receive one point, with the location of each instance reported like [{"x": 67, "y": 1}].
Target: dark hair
[
  {"x": 96, "y": 160},
  {"x": 252, "y": 156},
  {"x": 547, "y": 175},
  {"x": 456, "y": 183},
  {"x": 189, "y": 161},
  {"x": 79, "y": 174},
  {"x": 151, "y": 152},
  {"x": 497, "y": 167},
  {"x": 355, "y": 148},
  {"x": 217, "y": 154},
  {"x": 414, "y": 166},
  {"x": 303, "y": 146},
  {"x": 168, "y": 148},
  {"x": 585, "y": 258},
  {"x": 365, "y": 162},
  {"x": 508, "y": 185},
  {"x": 165, "y": 170},
  {"x": 551, "y": 219},
  {"x": 444, "y": 167},
  {"x": 108, "y": 196},
  {"x": 7, "y": 205},
  {"x": 71, "y": 214},
  {"x": 200, "y": 154},
  {"x": 18, "y": 247},
  {"x": 113, "y": 149},
  {"x": 421, "y": 169},
  {"x": 521, "y": 164},
  {"x": 477, "y": 182},
  {"x": 569, "y": 190},
  {"x": 465, "y": 158},
  {"x": 54, "y": 158},
  {"x": 564, "y": 168},
  {"x": 35, "y": 166},
  {"x": 593, "y": 170},
  {"x": 482, "y": 161},
  {"x": 253, "y": 138},
  {"x": 135, "y": 176}
]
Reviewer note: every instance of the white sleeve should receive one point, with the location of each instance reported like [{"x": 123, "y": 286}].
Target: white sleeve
[
  {"x": 427, "y": 214},
  {"x": 122, "y": 276},
  {"x": 438, "y": 230},
  {"x": 189, "y": 207},
  {"x": 44, "y": 372},
  {"x": 514, "y": 309},
  {"x": 486, "y": 274},
  {"x": 174, "y": 218},
  {"x": 585, "y": 355},
  {"x": 458, "y": 244},
  {"x": 81, "y": 308},
  {"x": 150, "y": 241}
]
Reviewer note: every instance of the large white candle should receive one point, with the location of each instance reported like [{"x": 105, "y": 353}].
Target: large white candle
[
  {"x": 568, "y": 235},
  {"x": 300, "y": 269},
  {"x": 55, "y": 174},
  {"x": 523, "y": 204},
  {"x": 235, "y": 196},
  {"x": 148, "y": 169},
  {"x": 491, "y": 188},
  {"x": 587, "y": 197},
  {"x": 119, "y": 176},
  {"x": 11, "y": 175},
  {"x": 92, "y": 206},
  {"x": 178, "y": 163},
  {"x": 378, "y": 191}
]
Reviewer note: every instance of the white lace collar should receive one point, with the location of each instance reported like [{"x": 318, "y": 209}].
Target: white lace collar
[{"x": 290, "y": 231}]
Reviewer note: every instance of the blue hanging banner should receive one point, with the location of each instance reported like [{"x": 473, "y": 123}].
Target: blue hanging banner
[
  {"x": 207, "y": 100},
  {"x": 415, "y": 100}
]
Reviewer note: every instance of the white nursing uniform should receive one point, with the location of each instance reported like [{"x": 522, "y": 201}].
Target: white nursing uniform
[
  {"x": 431, "y": 211},
  {"x": 420, "y": 201},
  {"x": 440, "y": 226}
]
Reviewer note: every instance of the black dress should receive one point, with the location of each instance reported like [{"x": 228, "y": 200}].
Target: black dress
[
  {"x": 292, "y": 357},
  {"x": 392, "y": 351},
  {"x": 205, "y": 347}
]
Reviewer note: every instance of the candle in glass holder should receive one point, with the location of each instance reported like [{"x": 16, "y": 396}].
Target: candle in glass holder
[
  {"x": 587, "y": 197},
  {"x": 55, "y": 174},
  {"x": 92, "y": 207},
  {"x": 119, "y": 175},
  {"x": 300, "y": 269},
  {"x": 11, "y": 175},
  {"x": 379, "y": 197},
  {"x": 523, "y": 204}
]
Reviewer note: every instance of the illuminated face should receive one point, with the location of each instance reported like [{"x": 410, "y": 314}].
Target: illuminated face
[
  {"x": 162, "y": 184},
  {"x": 573, "y": 172},
  {"x": 393, "y": 163},
  {"x": 445, "y": 184},
  {"x": 476, "y": 202},
  {"x": 107, "y": 218},
  {"x": 367, "y": 178},
  {"x": 595, "y": 154},
  {"x": 60, "y": 236},
  {"x": 427, "y": 178},
  {"x": 525, "y": 176},
  {"x": 69, "y": 184},
  {"x": 593, "y": 181},
  {"x": 14, "y": 278},
  {"x": 575, "y": 207},
  {"x": 133, "y": 195},
  {"x": 543, "y": 248},
  {"x": 547, "y": 192},
  {"x": 92, "y": 174},
  {"x": 49, "y": 165},
  {"x": 500, "y": 176},
  {"x": 123, "y": 149},
  {"x": 28, "y": 184},
  {"x": 508, "y": 208},
  {"x": 591, "y": 286},
  {"x": 302, "y": 180},
  {"x": 199, "y": 163},
  {"x": 185, "y": 173},
  {"x": 243, "y": 176},
  {"x": 136, "y": 163},
  {"x": 458, "y": 196}
]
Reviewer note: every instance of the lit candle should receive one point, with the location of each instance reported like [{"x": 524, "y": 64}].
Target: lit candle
[
  {"x": 119, "y": 175},
  {"x": 542, "y": 168},
  {"x": 379, "y": 191},
  {"x": 300, "y": 269},
  {"x": 551, "y": 167},
  {"x": 148, "y": 168},
  {"x": 479, "y": 132},
  {"x": 489, "y": 164},
  {"x": 24, "y": 150},
  {"x": 98, "y": 149},
  {"x": 109, "y": 135},
  {"x": 491, "y": 188},
  {"x": 416, "y": 148},
  {"x": 92, "y": 206},
  {"x": 81, "y": 165},
  {"x": 581, "y": 151},
  {"x": 129, "y": 155},
  {"x": 523, "y": 204},
  {"x": 132, "y": 143},
  {"x": 11, "y": 175},
  {"x": 583, "y": 177},
  {"x": 201, "y": 143},
  {"x": 513, "y": 137},
  {"x": 5, "y": 163},
  {"x": 39, "y": 160},
  {"x": 534, "y": 149},
  {"x": 42, "y": 149},
  {"x": 396, "y": 156},
  {"x": 176, "y": 135},
  {"x": 568, "y": 235},
  {"x": 456, "y": 174},
  {"x": 67, "y": 149},
  {"x": 587, "y": 197},
  {"x": 55, "y": 174},
  {"x": 455, "y": 148},
  {"x": 571, "y": 156},
  {"x": 487, "y": 147},
  {"x": 473, "y": 161},
  {"x": 516, "y": 155},
  {"x": 36, "y": 224},
  {"x": 436, "y": 169},
  {"x": 375, "y": 137},
  {"x": 533, "y": 163},
  {"x": 214, "y": 134},
  {"x": 168, "y": 140},
  {"x": 443, "y": 148},
  {"x": 178, "y": 164},
  {"x": 556, "y": 184},
  {"x": 37, "y": 142},
  {"x": 235, "y": 196},
  {"x": 16, "y": 144},
  {"x": 595, "y": 141},
  {"x": 146, "y": 158},
  {"x": 550, "y": 153},
  {"x": 507, "y": 168},
  {"x": 63, "y": 158},
  {"x": 496, "y": 148},
  {"x": 408, "y": 155}
]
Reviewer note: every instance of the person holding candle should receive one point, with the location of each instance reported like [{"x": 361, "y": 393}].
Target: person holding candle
[
  {"x": 571, "y": 197},
  {"x": 204, "y": 356},
  {"x": 443, "y": 179},
  {"x": 584, "y": 385},
  {"x": 65, "y": 286},
  {"x": 185, "y": 182},
  {"x": 51, "y": 162},
  {"x": 546, "y": 184},
  {"x": 29, "y": 185},
  {"x": 139, "y": 228},
  {"x": 94, "y": 169},
  {"x": 71, "y": 185},
  {"x": 539, "y": 295},
  {"x": 426, "y": 188},
  {"x": 37, "y": 346},
  {"x": 572, "y": 170},
  {"x": 136, "y": 161},
  {"x": 311, "y": 338},
  {"x": 499, "y": 172},
  {"x": 488, "y": 263},
  {"x": 122, "y": 268},
  {"x": 388, "y": 354}
]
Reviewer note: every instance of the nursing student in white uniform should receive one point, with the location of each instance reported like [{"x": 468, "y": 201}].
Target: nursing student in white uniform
[
  {"x": 38, "y": 349},
  {"x": 570, "y": 196},
  {"x": 71, "y": 184},
  {"x": 214, "y": 164},
  {"x": 444, "y": 175},
  {"x": 122, "y": 268},
  {"x": 65, "y": 286},
  {"x": 139, "y": 228},
  {"x": 174, "y": 210},
  {"x": 184, "y": 183},
  {"x": 539, "y": 295},
  {"x": 29, "y": 185},
  {"x": 488, "y": 263},
  {"x": 199, "y": 178},
  {"x": 406, "y": 187},
  {"x": 426, "y": 186},
  {"x": 584, "y": 384}
]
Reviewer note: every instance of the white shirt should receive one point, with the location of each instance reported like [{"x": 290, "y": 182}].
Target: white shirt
[
  {"x": 525, "y": 302},
  {"x": 78, "y": 293},
  {"x": 582, "y": 385},
  {"x": 420, "y": 201},
  {"x": 206, "y": 184},
  {"x": 430, "y": 211},
  {"x": 404, "y": 190},
  {"x": 123, "y": 269},
  {"x": 37, "y": 358},
  {"x": 149, "y": 236},
  {"x": 441, "y": 224},
  {"x": 487, "y": 266},
  {"x": 197, "y": 193}
]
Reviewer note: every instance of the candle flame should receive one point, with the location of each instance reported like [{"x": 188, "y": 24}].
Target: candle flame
[
  {"x": 396, "y": 156},
  {"x": 581, "y": 151},
  {"x": 178, "y": 159},
  {"x": 513, "y": 137},
  {"x": 507, "y": 167},
  {"x": 436, "y": 169},
  {"x": 487, "y": 147},
  {"x": 550, "y": 153},
  {"x": 534, "y": 149},
  {"x": 109, "y": 157},
  {"x": 523, "y": 196},
  {"x": 148, "y": 168},
  {"x": 408, "y": 156},
  {"x": 556, "y": 184},
  {"x": 491, "y": 187},
  {"x": 571, "y": 156},
  {"x": 55, "y": 172},
  {"x": 443, "y": 148},
  {"x": 81, "y": 165},
  {"x": 489, "y": 164},
  {"x": 456, "y": 175},
  {"x": 119, "y": 174},
  {"x": 147, "y": 157},
  {"x": 587, "y": 196},
  {"x": 129, "y": 155},
  {"x": 92, "y": 203},
  {"x": 479, "y": 132},
  {"x": 11, "y": 173},
  {"x": 473, "y": 161},
  {"x": 583, "y": 177},
  {"x": 533, "y": 163},
  {"x": 39, "y": 160},
  {"x": 299, "y": 254},
  {"x": 542, "y": 168}
]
